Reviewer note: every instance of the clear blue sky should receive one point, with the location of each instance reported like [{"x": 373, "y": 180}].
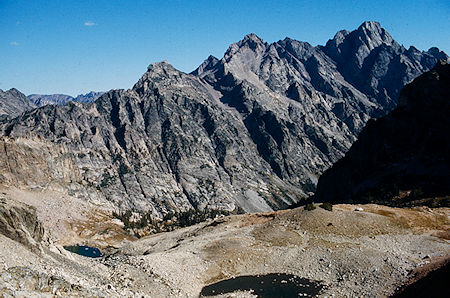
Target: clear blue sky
[{"x": 73, "y": 47}]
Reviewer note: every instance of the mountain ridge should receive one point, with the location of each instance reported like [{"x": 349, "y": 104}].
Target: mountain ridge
[
  {"x": 61, "y": 99},
  {"x": 254, "y": 129}
]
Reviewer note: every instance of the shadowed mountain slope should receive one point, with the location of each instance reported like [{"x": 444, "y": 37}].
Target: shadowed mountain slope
[
  {"x": 13, "y": 103},
  {"x": 406, "y": 150}
]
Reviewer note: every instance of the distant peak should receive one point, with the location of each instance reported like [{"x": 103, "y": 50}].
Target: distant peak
[
  {"x": 374, "y": 35},
  {"x": 211, "y": 58},
  {"x": 370, "y": 25},
  {"x": 160, "y": 65},
  {"x": 340, "y": 35},
  {"x": 253, "y": 37},
  {"x": 252, "y": 41},
  {"x": 208, "y": 64}
]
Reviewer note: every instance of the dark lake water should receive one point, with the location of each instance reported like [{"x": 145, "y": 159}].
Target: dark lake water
[
  {"x": 87, "y": 251},
  {"x": 435, "y": 284},
  {"x": 270, "y": 285}
]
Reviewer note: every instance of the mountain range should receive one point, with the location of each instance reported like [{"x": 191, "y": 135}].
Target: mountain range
[
  {"x": 253, "y": 130},
  {"x": 61, "y": 99}
]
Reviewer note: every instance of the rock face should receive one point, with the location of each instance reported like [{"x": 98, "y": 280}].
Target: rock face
[
  {"x": 254, "y": 129},
  {"x": 405, "y": 150},
  {"x": 13, "y": 103},
  {"x": 19, "y": 222},
  {"x": 61, "y": 99},
  {"x": 36, "y": 163}
]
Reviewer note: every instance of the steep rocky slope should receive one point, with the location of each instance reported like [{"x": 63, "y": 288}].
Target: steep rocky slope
[
  {"x": 407, "y": 150},
  {"x": 253, "y": 130},
  {"x": 168, "y": 144},
  {"x": 13, "y": 103},
  {"x": 19, "y": 222},
  {"x": 61, "y": 99}
]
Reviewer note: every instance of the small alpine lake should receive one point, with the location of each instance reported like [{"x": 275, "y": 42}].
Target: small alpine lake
[
  {"x": 86, "y": 251},
  {"x": 269, "y": 285}
]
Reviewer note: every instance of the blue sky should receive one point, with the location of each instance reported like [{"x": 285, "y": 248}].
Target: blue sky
[{"x": 73, "y": 47}]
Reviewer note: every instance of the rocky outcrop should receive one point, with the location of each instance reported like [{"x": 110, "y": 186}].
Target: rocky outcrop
[
  {"x": 19, "y": 222},
  {"x": 254, "y": 129},
  {"x": 405, "y": 151},
  {"x": 26, "y": 282},
  {"x": 36, "y": 163},
  {"x": 13, "y": 103},
  {"x": 61, "y": 99}
]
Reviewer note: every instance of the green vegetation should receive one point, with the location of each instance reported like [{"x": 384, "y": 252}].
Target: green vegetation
[
  {"x": 327, "y": 206},
  {"x": 309, "y": 207},
  {"x": 107, "y": 180},
  {"x": 123, "y": 169},
  {"x": 144, "y": 224}
]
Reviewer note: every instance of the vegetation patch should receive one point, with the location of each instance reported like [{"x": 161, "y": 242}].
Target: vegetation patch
[
  {"x": 327, "y": 206},
  {"x": 107, "y": 180},
  {"x": 145, "y": 224},
  {"x": 309, "y": 207}
]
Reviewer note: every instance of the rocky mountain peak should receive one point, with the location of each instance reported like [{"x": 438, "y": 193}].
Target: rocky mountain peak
[
  {"x": 13, "y": 91},
  {"x": 160, "y": 66},
  {"x": 157, "y": 72},
  {"x": 370, "y": 26},
  {"x": 250, "y": 43},
  {"x": 441, "y": 55},
  {"x": 13, "y": 103},
  {"x": 374, "y": 35},
  {"x": 208, "y": 64},
  {"x": 358, "y": 44}
]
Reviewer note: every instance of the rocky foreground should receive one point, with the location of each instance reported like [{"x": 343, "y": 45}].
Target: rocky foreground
[{"x": 355, "y": 250}]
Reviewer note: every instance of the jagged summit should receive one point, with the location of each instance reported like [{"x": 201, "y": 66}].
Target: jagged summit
[
  {"x": 441, "y": 55},
  {"x": 371, "y": 26},
  {"x": 252, "y": 40},
  {"x": 158, "y": 66},
  {"x": 157, "y": 71},
  {"x": 208, "y": 64}
]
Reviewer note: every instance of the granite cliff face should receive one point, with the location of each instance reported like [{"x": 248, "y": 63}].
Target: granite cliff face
[
  {"x": 61, "y": 99},
  {"x": 254, "y": 129},
  {"x": 402, "y": 155},
  {"x": 19, "y": 222},
  {"x": 13, "y": 103}
]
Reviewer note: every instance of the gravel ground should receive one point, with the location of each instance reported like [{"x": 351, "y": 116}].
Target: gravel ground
[{"x": 355, "y": 250}]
